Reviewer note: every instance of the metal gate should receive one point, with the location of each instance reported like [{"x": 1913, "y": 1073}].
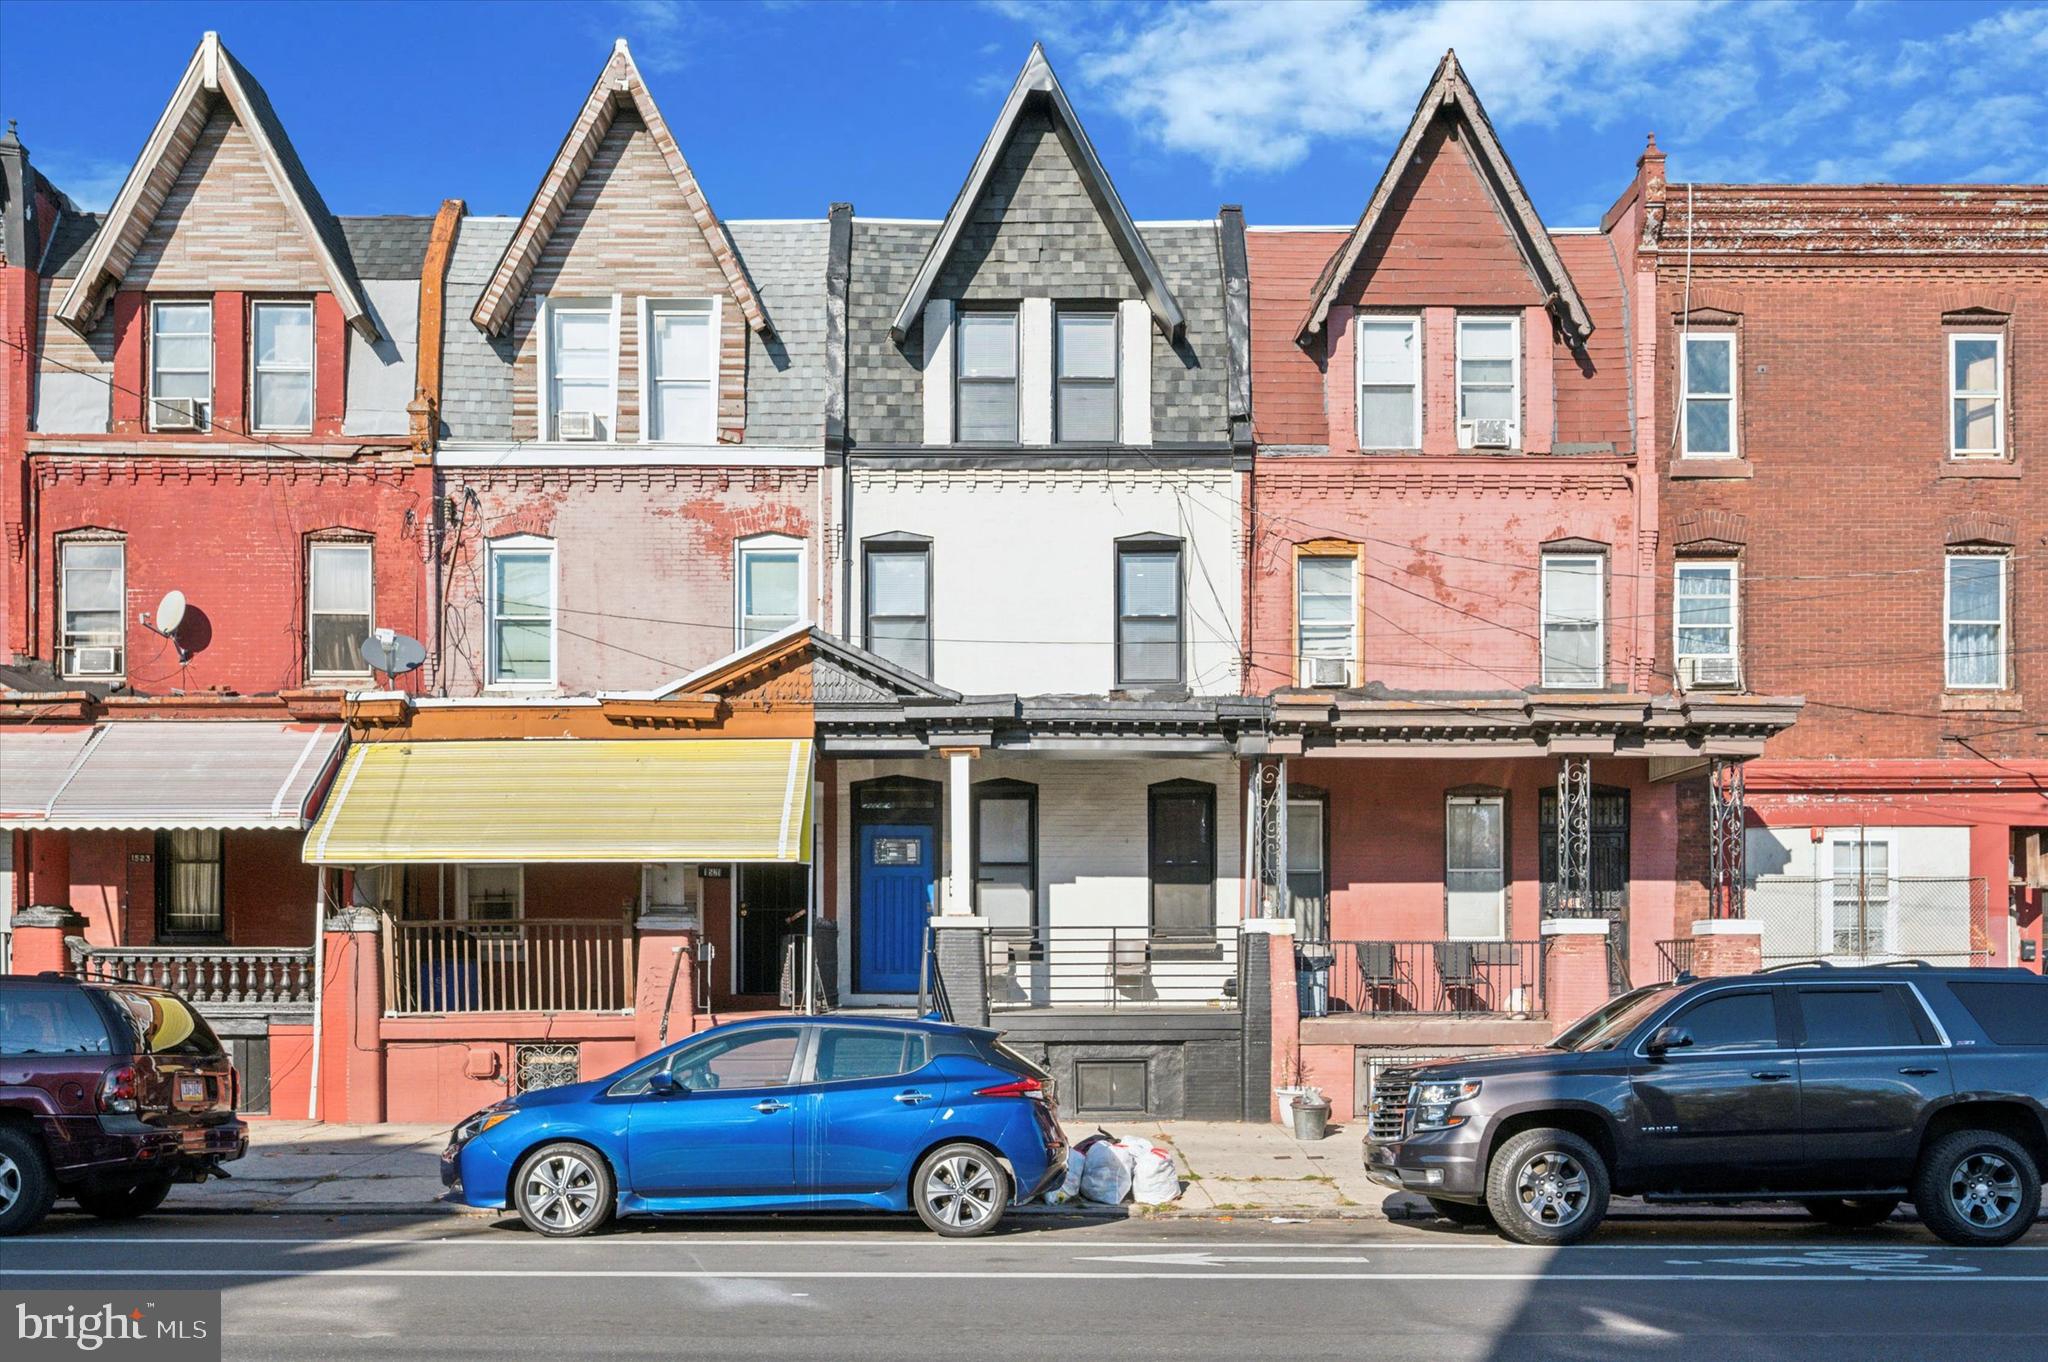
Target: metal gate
[{"x": 1608, "y": 870}]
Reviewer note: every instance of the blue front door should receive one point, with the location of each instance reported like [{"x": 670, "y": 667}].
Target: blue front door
[{"x": 897, "y": 878}]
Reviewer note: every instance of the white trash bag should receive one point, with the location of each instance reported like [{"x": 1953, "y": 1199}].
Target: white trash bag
[
  {"x": 1106, "y": 1173},
  {"x": 1070, "y": 1187},
  {"x": 1154, "y": 1179}
]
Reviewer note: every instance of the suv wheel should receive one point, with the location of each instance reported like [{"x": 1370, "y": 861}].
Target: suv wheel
[
  {"x": 960, "y": 1191},
  {"x": 1547, "y": 1187},
  {"x": 562, "y": 1190},
  {"x": 1977, "y": 1188},
  {"x": 26, "y": 1187},
  {"x": 124, "y": 1201},
  {"x": 1853, "y": 1212}
]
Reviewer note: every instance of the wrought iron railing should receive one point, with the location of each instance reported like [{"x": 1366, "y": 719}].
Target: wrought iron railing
[
  {"x": 1944, "y": 921},
  {"x": 1674, "y": 957},
  {"x": 523, "y": 965},
  {"x": 222, "y": 976},
  {"x": 1111, "y": 967},
  {"x": 1444, "y": 978}
]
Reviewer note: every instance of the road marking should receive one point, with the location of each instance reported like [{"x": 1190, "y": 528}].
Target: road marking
[
  {"x": 1863, "y": 1260},
  {"x": 1218, "y": 1259},
  {"x": 493, "y": 1238},
  {"x": 1094, "y": 1275}
]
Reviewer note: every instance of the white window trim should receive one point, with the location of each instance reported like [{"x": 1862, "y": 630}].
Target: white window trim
[
  {"x": 312, "y": 369},
  {"x": 1543, "y": 618},
  {"x": 1514, "y": 321},
  {"x": 1358, "y": 321},
  {"x": 1734, "y": 569},
  {"x": 1500, "y": 932},
  {"x": 544, "y": 398},
  {"x": 959, "y": 374},
  {"x": 521, "y": 543},
  {"x": 1948, "y": 622},
  {"x": 1116, "y": 377},
  {"x": 206, "y": 416},
  {"x": 368, "y": 549},
  {"x": 64, "y": 645},
  {"x": 1686, "y": 394},
  {"x": 743, "y": 549},
  {"x": 462, "y": 890},
  {"x": 646, "y": 312},
  {"x": 1889, "y": 840},
  {"x": 1354, "y": 656},
  {"x": 1956, "y": 391}
]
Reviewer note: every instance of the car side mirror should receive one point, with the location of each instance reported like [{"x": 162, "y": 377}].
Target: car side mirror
[
  {"x": 665, "y": 1084},
  {"x": 1669, "y": 1038}
]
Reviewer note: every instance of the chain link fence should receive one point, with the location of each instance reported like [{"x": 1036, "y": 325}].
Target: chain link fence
[{"x": 1857, "y": 918}]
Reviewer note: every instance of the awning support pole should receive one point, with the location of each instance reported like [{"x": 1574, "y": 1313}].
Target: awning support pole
[{"x": 319, "y": 985}]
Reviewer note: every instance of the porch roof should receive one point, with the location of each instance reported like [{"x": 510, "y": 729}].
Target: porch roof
[
  {"x": 165, "y": 773},
  {"x": 576, "y": 800},
  {"x": 1680, "y": 726}
]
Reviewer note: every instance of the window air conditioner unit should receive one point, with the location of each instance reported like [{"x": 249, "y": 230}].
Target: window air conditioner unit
[
  {"x": 1326, "y": 671},
  {"x": 1492, "y": 432},
  {"x": 1700, "y": 673},
  {"x": 576, "y": 425},
  {"x": 178, "y": 413},
  {"x": 92, "y": 662}
]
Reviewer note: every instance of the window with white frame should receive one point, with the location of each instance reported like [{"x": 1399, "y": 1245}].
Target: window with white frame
[
  {"x": 1707, "y": 419},
  {"x": 1326, "y": 617},
  {"x": 1389, "y": 382},
  {"x": 1976, "y": 385},
  {"x": 1086, "y": 407},
  {"x": 180, "y": 359},
  {"x": 682, "y": 372},
  {"x": 1704, "y": 617},
  {"x": 898, "y": 596},
  {"x": 1489, "y": 373},
  {"x": 522, "y": 611},
  {"x": 769, "y": 578},
  {"x": 1574, "y": 620},
  {"x": 1148, "y": 613},
  {"x": 1974, "y": 621},
  {"x": 493, "y": 893},
  {"x": 986, "y": 388},
  {"x": 281, "y": 366},
  {"x": 92, "y": 584},
  {"x": 580, "y": 368},
  {"x": 1475, "y": 867},
  {"x": 340, "y": 607}
]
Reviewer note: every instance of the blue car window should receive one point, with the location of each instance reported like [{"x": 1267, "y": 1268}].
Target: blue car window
[
  {"x": 848, "y": 1052},
  {"x": 753, "y": 1058}
]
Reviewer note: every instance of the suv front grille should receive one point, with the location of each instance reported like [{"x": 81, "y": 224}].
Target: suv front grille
[{"x": 1389, "y": 1120}]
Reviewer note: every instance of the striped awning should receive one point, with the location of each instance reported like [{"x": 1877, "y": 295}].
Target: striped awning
[
  {"x": 574, "y": 800},
  {"x": 165, "y": 773}
]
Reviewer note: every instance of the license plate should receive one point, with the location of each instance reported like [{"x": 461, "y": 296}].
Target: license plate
[{"x": 191, "y": 1089}]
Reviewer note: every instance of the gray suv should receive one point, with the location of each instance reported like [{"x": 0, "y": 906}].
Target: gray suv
[{"x": 1848, "y": 1091}]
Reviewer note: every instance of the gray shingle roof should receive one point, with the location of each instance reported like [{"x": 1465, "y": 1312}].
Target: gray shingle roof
[
  {"x": 476, "y": 370},
  {"x": 389, "y": 246},
  {"x": 885, "y": 401},
  {"x": 75, "y": 232}
]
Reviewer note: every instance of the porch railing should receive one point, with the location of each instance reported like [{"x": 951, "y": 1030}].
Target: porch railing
[
  {"x": 1944, "y": 921},
  {"x": 525, "y": 965},
  {"x": 217, "y": 976},
  {"x": 1674, "y": 957},
  {"x": 1442, "y": 978},
  {"x": 1112, "y": 967}
]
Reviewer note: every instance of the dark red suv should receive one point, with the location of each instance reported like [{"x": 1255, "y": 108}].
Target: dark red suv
[{"x": 109, "y": 1093}]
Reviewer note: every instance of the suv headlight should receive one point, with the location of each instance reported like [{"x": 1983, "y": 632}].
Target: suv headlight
[
  {"x": 473, "y": 1126},
  {"x": 1432, "y": 1103}
]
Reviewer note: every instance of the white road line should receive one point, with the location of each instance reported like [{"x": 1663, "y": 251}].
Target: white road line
[
  {"x": 1096, "y": 1275},
  {"x": 1044, "y": 1240}
]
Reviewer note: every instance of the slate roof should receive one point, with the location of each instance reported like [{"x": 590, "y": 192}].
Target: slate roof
[
  {"x": 388, "y": 246},
  {"x": 75, "y": 232},
  {"x": 476, "y": 370}
]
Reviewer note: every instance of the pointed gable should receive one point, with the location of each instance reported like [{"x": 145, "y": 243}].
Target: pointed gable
[
  {"x": 1449, "y": 188},
  {"x": 804, "y": 665},
  {"x": 218, "y": 196},
  {"x": 1036, "y": 173},
  {"x": 618, "y": 139}
]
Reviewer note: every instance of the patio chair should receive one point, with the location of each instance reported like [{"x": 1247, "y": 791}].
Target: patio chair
[
  {"x": 1457, "y": 980},
  {"x": 1497, "y": 975},
  {"x": 1380, "y": 977},
  {"x": 1130, "y": 969}
]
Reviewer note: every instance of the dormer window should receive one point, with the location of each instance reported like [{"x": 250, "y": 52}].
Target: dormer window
[
  {"x": 180, "y": 365},
  {"x": 1489, "y": 382},
  {"x": 281, "y": 366},
  {"x": 1389, "y": 382},
  {"x": 987, "y": 399},
  {"x": 1086, "y": 409},
  {"x": 682, "y": 372},
  {"x": 580, "y": 371}
]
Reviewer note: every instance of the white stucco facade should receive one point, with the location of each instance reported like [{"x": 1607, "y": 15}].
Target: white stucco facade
[{"x": 1906, "y": 890}]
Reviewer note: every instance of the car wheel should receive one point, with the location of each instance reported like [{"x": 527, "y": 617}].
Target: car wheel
[
  {"x": 1461, "y": 1212},
  {"x": 563, "y": 1190},
  {"x": 1547, "y": 1187},
  {"x": 1977, "y": 1189},
  {"x": 960, "y": 1190},
  {"x": 26, "y": 1187},
  {"x": 124, "y": 1200},
  {"x": 1853, "y": 1212}
]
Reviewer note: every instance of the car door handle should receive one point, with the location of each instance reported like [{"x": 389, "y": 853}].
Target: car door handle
[
  {"x": 911, "y": 1099},
  {"x": 1769, "y": 1075},
  {"x": 1919, "y": 1073},
  {"x": 770, "y": 1107}
]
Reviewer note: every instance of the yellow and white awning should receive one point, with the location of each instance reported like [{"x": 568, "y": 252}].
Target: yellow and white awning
[{"x": 568, "y": 800}]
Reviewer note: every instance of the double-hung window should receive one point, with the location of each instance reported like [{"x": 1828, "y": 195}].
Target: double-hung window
[
  {"x": 1087, "y": 377},
  {"x": 493, "y": 893},
  {"x": 1704, "y": 616},
  {"x": 180, "y": 360},
  {"x": 770, "y": 576},
  {"x": 682, "y": 373},
  {"x": 522, "y": 612},
  {"x": 281, "y": 366},
  {"x": 191, "y": 882},
  {"x": 340, "y": 595},
  {"x": 898, "y": 594},
  {"x": 1475, "y": 867},
  {"x": 1574, "y": 620},
  {"x": 92, "y": 579},
  {"x": 1976, "y": 386},
  {"x": 1148, "y": 613},
  {"x": 1389, "y": 382},
  {"x": 580, "y": 367},
  {"x": 987, "y": 387},
  {"x": 1708, "y": 416},
  {"x": 1974, "y": 621},
  {"x": 1489, "y": 375},
  {"x": 1326, "y": 618}
]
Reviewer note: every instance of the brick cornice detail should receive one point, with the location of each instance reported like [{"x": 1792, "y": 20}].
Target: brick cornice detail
[
  {"x": 1711, "y": 301},
  {"x": 1373, "y": 479},
  {"x": 1979, "y": 527},
  {"x": 55, "y": 472}
]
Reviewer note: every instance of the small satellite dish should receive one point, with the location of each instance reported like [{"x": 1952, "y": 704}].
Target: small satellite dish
[
  {"x": 393, "y": 653},
  {"x": 170, "y": 613}
]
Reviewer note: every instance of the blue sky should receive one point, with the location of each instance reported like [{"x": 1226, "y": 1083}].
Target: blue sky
[{"x": 1290, "y": 108}]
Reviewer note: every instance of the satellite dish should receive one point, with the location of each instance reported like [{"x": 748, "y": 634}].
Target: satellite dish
[
  {"x": 393, "y": 653},
  {"x": 170, "y": 613}
]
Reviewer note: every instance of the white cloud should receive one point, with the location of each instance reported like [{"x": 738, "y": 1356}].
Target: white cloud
[{"x": 90, "y": 181}]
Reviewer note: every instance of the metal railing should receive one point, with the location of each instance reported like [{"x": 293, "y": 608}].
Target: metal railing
[
  {"x": 1443, "y": 978},
  {"x": 1111, "y": 967},
  {"x": 1854, "y": 918},
  {"x": 1674, "y": 957},
  {"x": 523, "y": 965},
  {"x": 229, "y": 976}
]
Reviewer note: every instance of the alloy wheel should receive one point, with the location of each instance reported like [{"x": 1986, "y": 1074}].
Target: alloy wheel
[
  {"x": 1985, "y": 1190},
  {"x": 10, "y": 1183},
  {"x": 961, "y": 1191},
  {"x": 1552, "y": 1189},
  {"x": 561, "y": 1191}
]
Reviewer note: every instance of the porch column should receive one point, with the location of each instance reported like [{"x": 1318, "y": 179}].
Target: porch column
[
  {"x": 1272, "y": 1016},
  {"x": 1574, "y": 835},
  {"x": 665, "y": 978},
  {"x": 39, "y": 933},
  {"x": 959, "y": 896},
  {"x": 1727, "y": 946},
  {"x": 352, "y": 1017},
  {"x": 960, "y": 957},
  {"x": 1725, "y": 839},
  {"x": 1575, "y": 979}
]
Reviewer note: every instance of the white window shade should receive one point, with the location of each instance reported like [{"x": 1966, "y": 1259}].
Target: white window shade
[
  {"x": 338, "y": 608},
  {"x": 1705, "y": 609},
  {"x": 987, "y": 402},
  {"x": 281, "y": 387},
  {"x": 580, "y": 360},
  {"x": 1475, "y": 867},
  {"x": 1327, "y": 613},
  {"x": 1976, "y": 621},
  {"x": 1488, "y": 369}
]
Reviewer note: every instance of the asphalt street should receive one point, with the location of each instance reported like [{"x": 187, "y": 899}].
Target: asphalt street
[{"x": 343, "y": 1287}]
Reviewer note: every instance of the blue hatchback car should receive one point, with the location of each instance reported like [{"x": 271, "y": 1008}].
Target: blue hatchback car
[{"x": 775, "y": 1114}]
